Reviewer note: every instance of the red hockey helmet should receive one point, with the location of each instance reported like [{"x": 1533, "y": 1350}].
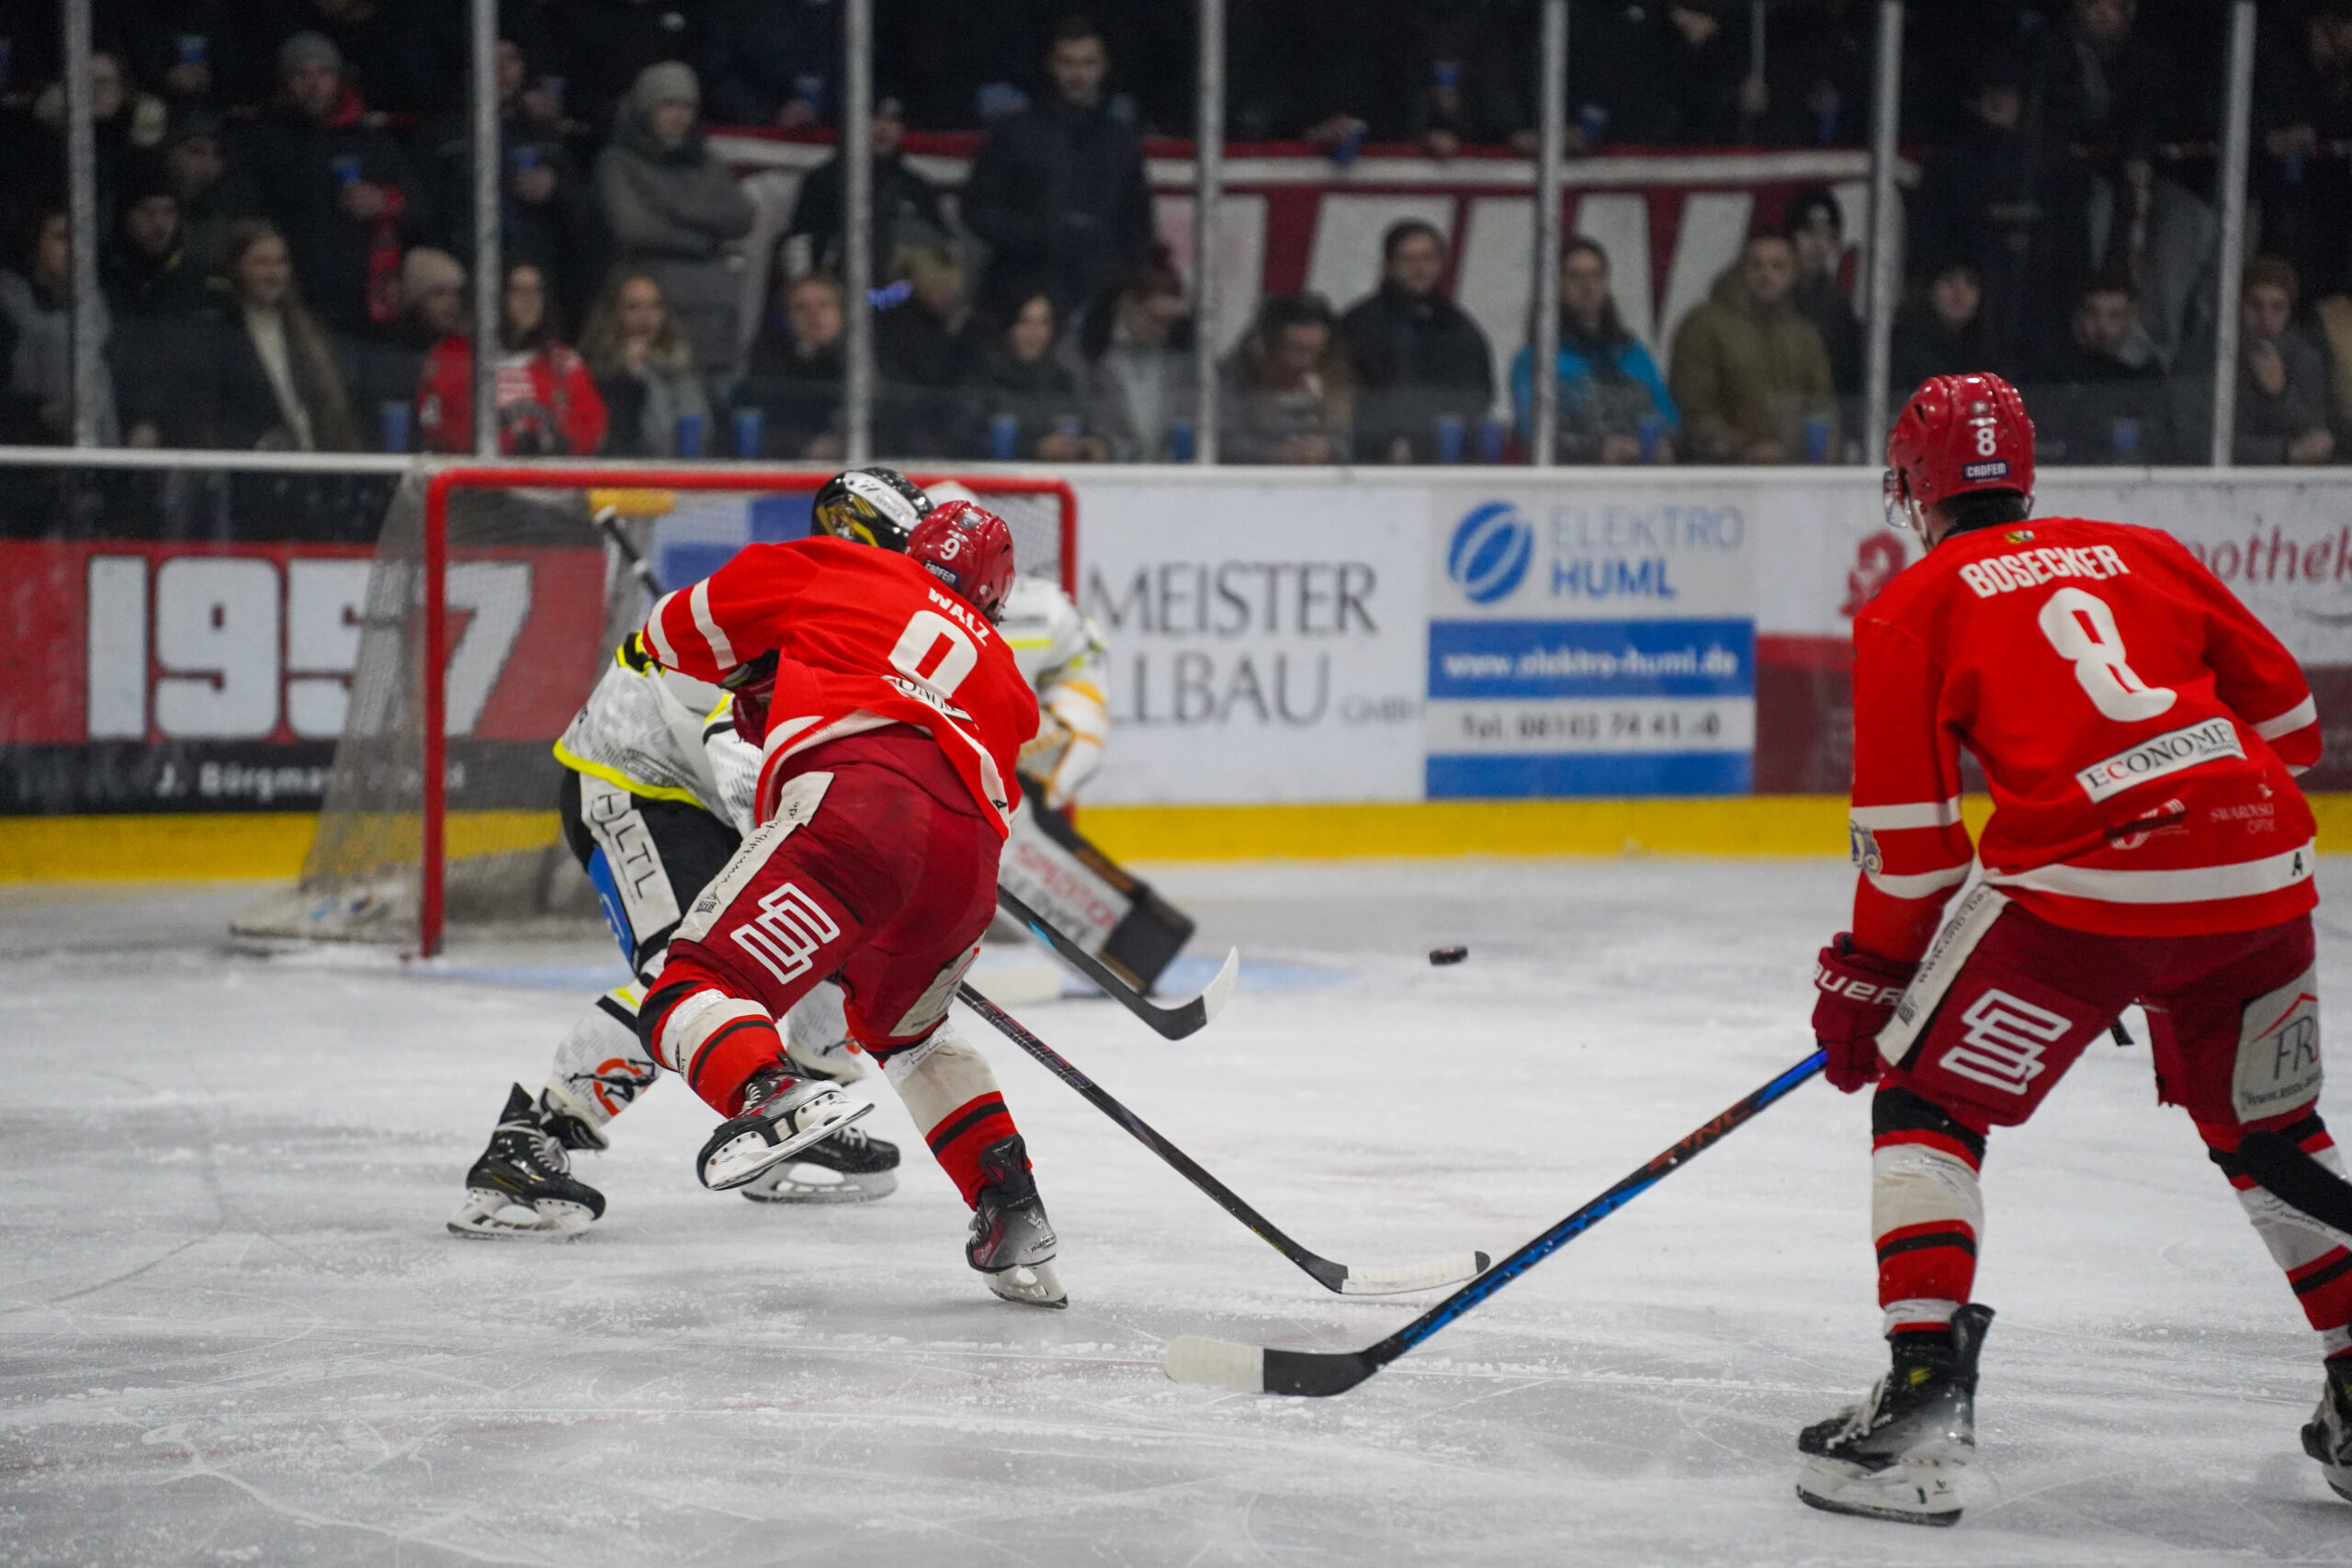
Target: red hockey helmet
[
  {"x": 1958, "y": 434},
  {"x": 970, "y": 548}
]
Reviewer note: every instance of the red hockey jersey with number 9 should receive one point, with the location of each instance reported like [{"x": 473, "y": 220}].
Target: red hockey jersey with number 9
[
  {"x": 862, "y": 638},
  {"x": 2138, "y": 727}
]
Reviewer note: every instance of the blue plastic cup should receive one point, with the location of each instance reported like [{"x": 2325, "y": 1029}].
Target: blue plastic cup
[
  {"x": 1445, "y": 74},
  {"x": 1593, "y": 121},
  {"x": 192, "y": 48},
  {"x": 1069, "y": 424},
  {"x": 347, "y": 168},
  {"x": 2123, "y": 435},
  {"x": 1494, "y": 440},
  {"x": 690, "y": 435},
  {"x": 1180, "y": 441},
  {"x": 811, "y": 89},
  {"x": 1651, "y": 434},
  {"x": 749, "y": 424},
  {"x": 1816, "y": 440},
  {"x": 1350, "y": 147},
  {"x": 1448, "y": 438},
  {"x": 526, "y": 157},
  {"x": 1004, "y": 437},
  {"x": 392, "y": 426}
]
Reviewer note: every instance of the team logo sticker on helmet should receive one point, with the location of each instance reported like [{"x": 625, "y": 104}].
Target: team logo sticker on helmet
[
  {"x": 869, "y": 506},
  {"x": 968, "y": 549}
]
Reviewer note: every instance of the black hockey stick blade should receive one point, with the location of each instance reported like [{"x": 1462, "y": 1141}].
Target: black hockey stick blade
[
  {"x": 1252, "y": 1369},
  {"x": 1169, "y": 1022},
  {"x": 1345, "y": 1278},
  {"x": 2299, "y": 1180}
]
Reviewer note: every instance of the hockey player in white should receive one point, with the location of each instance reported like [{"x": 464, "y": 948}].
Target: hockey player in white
[{"x": 658, "y": 795}]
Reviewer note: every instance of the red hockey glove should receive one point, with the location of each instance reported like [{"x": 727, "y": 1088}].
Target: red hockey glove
[{"x": 1858, "y": 992}]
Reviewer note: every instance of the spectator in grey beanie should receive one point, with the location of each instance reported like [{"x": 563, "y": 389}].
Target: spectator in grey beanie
[{"x": 675, "y": 211}]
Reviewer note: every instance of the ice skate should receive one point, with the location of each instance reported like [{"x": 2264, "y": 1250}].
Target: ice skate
[
  {"x": 1012, "y": 1242},
  {"x": 2328, "y": 1438},
  {"x": 848, "y": 1167},
  {"x": 782, "y": 1115},
  {"x": 523, "y": 1186},
  {"x": 1898, "y": 1454}
]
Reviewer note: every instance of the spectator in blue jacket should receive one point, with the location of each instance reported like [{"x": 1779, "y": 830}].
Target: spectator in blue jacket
[{"x": 1614, "y": 405}]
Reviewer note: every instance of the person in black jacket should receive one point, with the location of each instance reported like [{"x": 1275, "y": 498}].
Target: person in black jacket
[
  {"x": 1417, "y": 358},
  {"x": 795, "y": 375},
  {"x": 2101, "y": 398},
  {"x": 905, "y": 205},
  {"x": 272, "y": 382},
  {"x": 1029, "y": 399},
  {"x": 1941, "y": 332},
  {"x": 339, "y": 190},
  {"x": 1058, "y": 189}
]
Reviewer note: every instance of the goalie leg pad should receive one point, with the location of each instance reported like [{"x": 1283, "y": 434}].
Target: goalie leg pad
[
  {"x": 601, "y": 1067},
  {"x": 952, "y": 1097}
]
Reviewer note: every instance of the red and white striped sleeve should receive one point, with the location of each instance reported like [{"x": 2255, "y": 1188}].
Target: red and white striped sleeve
[
  {"x": 730, "y": 617},
  {"x": 2253, "y": 672},
  {"x": 1904, "y": 829}
]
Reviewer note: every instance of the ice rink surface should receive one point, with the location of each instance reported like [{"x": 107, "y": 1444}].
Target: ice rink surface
[{"x": 234, "y": 1330}]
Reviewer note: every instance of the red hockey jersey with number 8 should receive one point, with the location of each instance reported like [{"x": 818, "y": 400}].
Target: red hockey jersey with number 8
[
  {"x": 2138, "y": 727},
  {"x": 862, "y": 638}
]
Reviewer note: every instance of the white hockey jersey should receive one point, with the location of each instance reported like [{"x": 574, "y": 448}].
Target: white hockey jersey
[{"x": 1059, "y": 650}]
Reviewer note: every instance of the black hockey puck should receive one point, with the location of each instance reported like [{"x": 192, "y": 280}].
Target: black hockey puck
[{"x": 1442, "y": 956}]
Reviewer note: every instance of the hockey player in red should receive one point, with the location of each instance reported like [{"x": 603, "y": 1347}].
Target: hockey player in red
[
  {"x": 2139, "y": 731},
  {"x": 889, "y": 713}
]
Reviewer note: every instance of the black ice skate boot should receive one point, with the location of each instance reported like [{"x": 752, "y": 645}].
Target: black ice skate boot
[
  {"x": 782, "y": 1114},
  {"x": 2328, "y": 1438},
  {"x": 1898, "y": 1454},
  {"x": 1012, "y": 1242},
  {"x": 523, "y": 1184},
  {"x": 851, "y": 1166}
]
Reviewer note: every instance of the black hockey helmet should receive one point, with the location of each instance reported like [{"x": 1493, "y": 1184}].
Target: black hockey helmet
[{"x": 870, "y": 506}]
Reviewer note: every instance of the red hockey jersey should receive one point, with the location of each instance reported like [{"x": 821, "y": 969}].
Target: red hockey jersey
[
  {"x": 2138, "y": 727},
  {"x": 862, "y": 638}
]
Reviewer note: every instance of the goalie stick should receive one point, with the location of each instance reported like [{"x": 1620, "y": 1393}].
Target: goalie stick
[
  {"x": 1170, "y": 1022},
  {"x": 1251, "y": 1369},
  {"x": 1344, "y": 1278}
]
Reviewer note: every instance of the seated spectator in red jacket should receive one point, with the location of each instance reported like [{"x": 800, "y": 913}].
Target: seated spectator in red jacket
[
  {"x": 548, "y": 403},
  {"x": 340, "y": 190}
]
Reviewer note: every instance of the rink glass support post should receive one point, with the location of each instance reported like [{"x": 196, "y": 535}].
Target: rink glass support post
[
  {"x": 857, "y": 230},
  {"x": 1208, "y": 194},
  {"x": 2237, "y": 134},
  {"x": 1883, "y": 280},
  {"x": 490, "y": 270},
  {"x": 433, "y": 704},
  {"x": 1550, "y": 168},
  {"x": 82, "y": 224}
]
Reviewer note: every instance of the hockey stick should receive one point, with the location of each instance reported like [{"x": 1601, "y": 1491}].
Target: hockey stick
[
  {"x": 1251, "y": 1369},
  {"x": 2289, "y": 1174},
  {"x": 1169, "y": 1022},
  {"x": 608, "y": 523},
  {"x": 1342, "y": 1278}
]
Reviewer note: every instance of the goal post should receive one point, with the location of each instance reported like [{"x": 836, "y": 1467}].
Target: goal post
[{"x": 493, "y": 602}]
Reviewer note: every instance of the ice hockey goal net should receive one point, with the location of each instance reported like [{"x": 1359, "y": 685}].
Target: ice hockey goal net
[{"x": 493, "y": 602}]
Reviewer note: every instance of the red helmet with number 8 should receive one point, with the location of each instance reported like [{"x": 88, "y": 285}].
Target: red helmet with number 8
[
  {"x": 1958, "y": 434},
  {"x": 970, "y": 548}
]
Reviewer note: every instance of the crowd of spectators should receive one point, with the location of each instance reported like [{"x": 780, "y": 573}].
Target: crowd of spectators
[{"x": 284, "y": 199}]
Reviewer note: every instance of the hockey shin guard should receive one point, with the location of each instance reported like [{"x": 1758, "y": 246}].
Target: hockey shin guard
[
  {"x": 713, "y": 1041},
  {"x": 952, "y": 1095},
  {"x": 1927, "y": 1210},
  {"x": 601, "y": 1066},
  {"x": 2317, "y": 1265}
]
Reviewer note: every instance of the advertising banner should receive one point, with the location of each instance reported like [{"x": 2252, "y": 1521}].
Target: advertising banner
[
  {"x": 1588, "y": 643},
  {"x": 1266, "y": 639}
]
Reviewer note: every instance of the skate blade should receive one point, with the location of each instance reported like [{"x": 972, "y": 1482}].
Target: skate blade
[
  {"x": 785, "y": 1184},
  {"x": 494, "y": 1217},
  {"x": 1916, "y": 1492},
  {"x": 1030, "y": 1284},
  {"x": 749, "y": 1153}
]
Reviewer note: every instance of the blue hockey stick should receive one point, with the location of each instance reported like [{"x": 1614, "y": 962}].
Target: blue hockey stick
[{"x": 1253, "y": 1369}]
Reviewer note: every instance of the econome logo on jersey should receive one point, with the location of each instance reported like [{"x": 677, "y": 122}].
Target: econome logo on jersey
[
  {"x": 2006, "y": 1037},
  {"x": 1489, "y": 555},
  {"x": 789, "y": 930}
]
